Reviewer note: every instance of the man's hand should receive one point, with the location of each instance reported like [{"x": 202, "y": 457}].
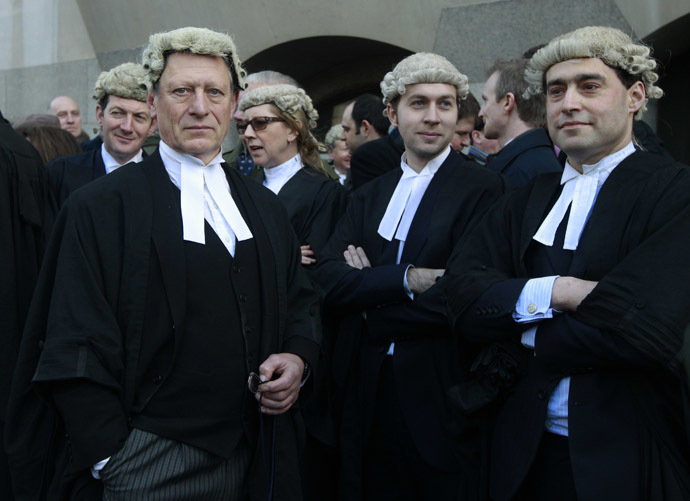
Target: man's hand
[
  {"x": 307, "y": 255},
  {"x": 356, "y": 257},
  {"x": 279, "y": 395},
  {"x": 421, "y": 279},
  {"x": 568, "y": 292}
]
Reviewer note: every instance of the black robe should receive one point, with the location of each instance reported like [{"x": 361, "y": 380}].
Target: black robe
[
  {"x": 67, "y": 174},
  {"x": 425, "y": 360},
  {"x": 628, "y": 390},
  {"x": 26, "y": 216},
  {"x": 96, "y": 273},
  {"x": 314, "y": 204}
]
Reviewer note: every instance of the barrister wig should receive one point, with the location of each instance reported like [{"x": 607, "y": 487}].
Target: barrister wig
[
  {"x": 287, "y": 98},
  {"x": 127, "y": 80},
  {"x": 423, "y": 67},
  {"x": 296, "y": 108},
  {"x": 200, "y": 41},
  {"x": 334, "y": 134},
  {"x": 612, "y": 46}
]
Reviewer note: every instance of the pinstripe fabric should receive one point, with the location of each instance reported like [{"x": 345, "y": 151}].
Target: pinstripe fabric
[{"x": 150, "y": 467}]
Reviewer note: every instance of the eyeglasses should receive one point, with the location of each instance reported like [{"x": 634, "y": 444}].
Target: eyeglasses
[{"x": 257, "y": 123}]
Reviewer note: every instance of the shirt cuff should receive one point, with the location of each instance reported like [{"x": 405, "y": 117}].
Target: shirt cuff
[
  {"x": 409, "y": 293},
  {"x": 534, "y": 302},
  {"x": 96, "y": 469}
]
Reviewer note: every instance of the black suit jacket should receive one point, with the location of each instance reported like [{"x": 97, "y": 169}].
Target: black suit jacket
[
  {"x": 97, "y": 266},
  {"x": 66, "y": 174},
  {"x": 627, "y": 398},
  {"x": 425, "y": 360},
  {"x": 526, "y": 156},
  {"x": 375, "y": 158}
]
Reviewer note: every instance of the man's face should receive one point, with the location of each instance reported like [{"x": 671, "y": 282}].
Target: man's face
[
  {"x": 193, "y": 104},
  {"x": 124, "y": 125},
  {"x": 353, "y": 139},
  {"x": 492, "y": 110},
  {"x": 425, "y": 116},
  {"x": 340, "y": 155},
  {"x": 461, "y": 136},
  {"x": 589, "y": 111},
  {"x": 67, "y": 111}
]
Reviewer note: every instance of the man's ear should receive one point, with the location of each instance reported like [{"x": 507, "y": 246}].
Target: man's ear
[
  {"x": 99, "y": 118},
  {"x": 509, "y": 102},
  {"x": 476, "y": 136},
  {"x": 636, "y": 97},
  {"x": 366, "y": 128},
  {"x": 392, "y": 114},
  {"x": 150, "y": 102}
]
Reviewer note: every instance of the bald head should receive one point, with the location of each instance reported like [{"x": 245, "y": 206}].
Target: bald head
[{"x": 67, "y": 111}]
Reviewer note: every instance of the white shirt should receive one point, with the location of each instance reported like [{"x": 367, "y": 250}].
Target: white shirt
[
  {"x": 277, "y": 176},
  {"x": 533, "y": 305},
  {"x": 204, "y": 195},
  {"x": 111, "y": 164}
]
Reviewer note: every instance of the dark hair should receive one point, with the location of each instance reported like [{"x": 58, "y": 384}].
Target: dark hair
[
  {"x": 50, "y": 142},
  {"x": 370, "y": 108},
  {"x": 511, "y": 79},
  {"x": 469, "y": 108}
]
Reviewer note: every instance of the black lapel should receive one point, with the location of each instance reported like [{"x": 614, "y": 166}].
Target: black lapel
[
  {"x": 267, "y": 265},
  {"x": 381, "y": 250},
  {"x": 167, "y": 237},
  {"x": 98, "y": 165},
  {"x": 544, "y": 194},
  {"x": 419, "y": 229}
]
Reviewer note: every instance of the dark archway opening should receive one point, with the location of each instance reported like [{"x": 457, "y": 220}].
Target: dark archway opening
[{"x": 332, "y": 69}]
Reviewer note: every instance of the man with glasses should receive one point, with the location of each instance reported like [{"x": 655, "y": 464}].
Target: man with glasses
[
  {"x": 172, "y": 283},
  {"x": 394, "y": 356}
]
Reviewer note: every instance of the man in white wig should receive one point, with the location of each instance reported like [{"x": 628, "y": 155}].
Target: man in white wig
[
  {"x": 394, "y": 356},
  {"x": 173, "y": 283},
  {"x": 585, "y": 272}
]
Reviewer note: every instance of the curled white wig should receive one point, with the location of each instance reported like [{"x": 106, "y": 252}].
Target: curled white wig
[
  {"x": 200, "y": 41},
  {"x": 612, "y": 46},
  {"x": 423, "y": 67},
  {"x": 287, "y": 98},
  {"x": 333, "y": 135},
  {"x": 127, "y": 80}
]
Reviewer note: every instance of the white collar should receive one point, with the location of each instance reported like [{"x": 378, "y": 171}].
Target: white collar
[
  {"x": 579, "y": 193},
  {"x": 277, "y": 176},
  {"x": 408, "y": 193},
  {"x": 202, "y": 187},
  {"x": 111, "y": 164}
]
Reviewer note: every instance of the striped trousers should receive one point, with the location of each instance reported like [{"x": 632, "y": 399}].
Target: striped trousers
[{"x": 150, "y": 467}]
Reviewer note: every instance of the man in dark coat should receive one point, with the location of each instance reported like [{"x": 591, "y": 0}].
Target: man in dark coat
[
  {"x": 516, "y": 120},
  {"x": 583, "y": 275},
  {"x": 124, "y": 121},
  {"x": 26, "y": 212},
  {"x": 394, "y": 355},
  {"x": 167, "y": 286}
]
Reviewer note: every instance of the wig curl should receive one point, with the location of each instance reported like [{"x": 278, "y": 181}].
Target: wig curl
[
  {"x": 200, "y": 41},
  {"x": 128, "y": 80},
  {"x": 423, "y": 67},
  {"x": 287, "y": 98},
  {"x": 334, "y": 134},
  {"x": 612, "y": 46}
]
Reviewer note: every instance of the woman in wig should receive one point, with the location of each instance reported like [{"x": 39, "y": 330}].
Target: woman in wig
[{"x": 277, "y": 132}]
